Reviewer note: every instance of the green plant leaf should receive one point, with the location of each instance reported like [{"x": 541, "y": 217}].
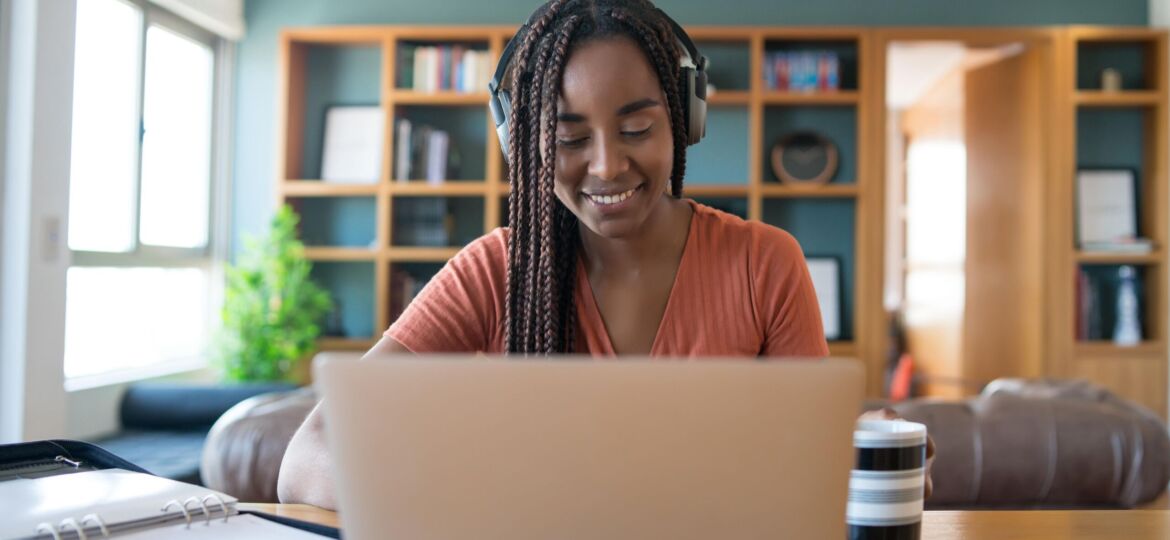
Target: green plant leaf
[{"x": 272, "y": 309}]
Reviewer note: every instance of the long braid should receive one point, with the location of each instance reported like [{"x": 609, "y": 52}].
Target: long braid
[
  {"x": 520, "y": 171},
  {"x": 544, "y": 245},
  {"x": 549, "y": 202},
  {"x": 570, "y": 241},
  {"x": 537, "y": 244}
]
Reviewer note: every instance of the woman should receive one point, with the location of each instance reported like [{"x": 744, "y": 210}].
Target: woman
[{"x": 603, "y": 256}]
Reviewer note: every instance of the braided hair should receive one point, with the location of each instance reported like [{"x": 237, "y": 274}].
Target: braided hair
[{"x": 540, "y": 315}]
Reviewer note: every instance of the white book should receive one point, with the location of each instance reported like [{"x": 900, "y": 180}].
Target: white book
[
  {"x": 434, "y": 68},
  {"x": 417, "y": 72},
  {"x": 487, "y": 68},
  {"x": 352, "y": 153},
  {"x": 128, "y": 505},
  {"x": 437, "y": 157},
  {"x": 468, "y": 67},
  {"x": 402, "y": 155}
]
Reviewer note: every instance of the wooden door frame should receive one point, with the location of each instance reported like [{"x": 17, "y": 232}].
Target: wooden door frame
[{"x": 1045, "y": 40}]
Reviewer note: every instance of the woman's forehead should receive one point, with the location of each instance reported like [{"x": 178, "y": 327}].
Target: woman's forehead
[{"x": 605, "y": 74}]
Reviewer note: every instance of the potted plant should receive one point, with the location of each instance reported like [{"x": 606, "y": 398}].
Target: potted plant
[{"x": 272, "y": 310}]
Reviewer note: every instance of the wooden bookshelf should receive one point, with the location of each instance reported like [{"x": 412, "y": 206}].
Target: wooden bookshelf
[
  {"x": 1138, "y": 373},
  {"x": 1138, "y": 112},
  {"x": 1076, "y": 124},
  {"x": 763, "y": 112}
]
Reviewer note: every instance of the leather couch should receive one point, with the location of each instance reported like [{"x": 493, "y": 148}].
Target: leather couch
[
  {"x": 1020, "y": 444},
  {"x": 1043, "y": 443}
]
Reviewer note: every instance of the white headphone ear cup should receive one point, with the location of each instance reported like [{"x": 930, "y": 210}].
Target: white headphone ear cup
[{"x": 505, "y": 103}]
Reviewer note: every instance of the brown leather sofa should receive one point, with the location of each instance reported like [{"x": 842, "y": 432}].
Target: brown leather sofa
[
  {"x": 1020, "y": 444},
  {"x": 1035, "y": 444}
]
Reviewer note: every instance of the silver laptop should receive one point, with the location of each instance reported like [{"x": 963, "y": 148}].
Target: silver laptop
[{"x": 487, "y": 448}]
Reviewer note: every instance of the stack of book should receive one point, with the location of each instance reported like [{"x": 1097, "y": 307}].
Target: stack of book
[
  {"x": 446, "y": 67},
  {"x": 1090, "y": 326},
  {"x": 1136, "y": 246},
  {"x": 423, "y": 153},
  {"x": 805, "y": 71},
  {"x": 423, "y": 222}
]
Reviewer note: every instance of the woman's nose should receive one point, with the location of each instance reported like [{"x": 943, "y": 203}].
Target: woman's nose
[{"x": 608, "y": 159}]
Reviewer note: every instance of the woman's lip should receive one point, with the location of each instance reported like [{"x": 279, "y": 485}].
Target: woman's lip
[
  {"x": 608, "y": 193},
  {"x": 615, "y": 207}
]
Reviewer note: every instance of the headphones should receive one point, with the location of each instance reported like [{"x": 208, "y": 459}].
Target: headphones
[{"x": 692, "y": 84}]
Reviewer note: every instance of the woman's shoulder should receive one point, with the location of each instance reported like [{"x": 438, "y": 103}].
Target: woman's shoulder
[
  {"x": 488, "y": 253},
  {"x": 731, "y": 234}
]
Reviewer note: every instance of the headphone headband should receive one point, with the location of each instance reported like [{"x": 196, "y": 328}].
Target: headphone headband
[{"x": 693, "y": 84}]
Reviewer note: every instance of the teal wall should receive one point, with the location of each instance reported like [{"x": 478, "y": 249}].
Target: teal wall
[{"x": 255, "y": 122}]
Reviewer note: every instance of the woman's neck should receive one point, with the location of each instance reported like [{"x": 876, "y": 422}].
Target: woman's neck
[{"x": 662, "y": 238}]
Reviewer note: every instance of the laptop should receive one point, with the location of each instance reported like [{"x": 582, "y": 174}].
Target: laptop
[{"x": 487, "y": 448}]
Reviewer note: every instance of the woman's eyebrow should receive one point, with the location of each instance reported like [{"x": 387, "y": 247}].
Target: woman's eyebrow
[
  {"x": 629, "y": 108},
  {"x": 636, "y": 106}
]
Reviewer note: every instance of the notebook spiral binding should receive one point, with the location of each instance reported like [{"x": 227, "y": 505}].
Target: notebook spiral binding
[{"x": 67, "y": 523}]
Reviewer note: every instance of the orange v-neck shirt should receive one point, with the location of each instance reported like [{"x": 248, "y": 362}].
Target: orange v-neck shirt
[{"x": 742, "y": 289}]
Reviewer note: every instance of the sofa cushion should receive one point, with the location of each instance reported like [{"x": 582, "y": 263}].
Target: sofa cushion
[
  {"x": 1043, "y": 444},
  {"x": 246, "y": 446}
]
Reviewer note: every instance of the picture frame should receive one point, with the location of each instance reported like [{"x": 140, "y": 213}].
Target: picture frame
[
  {"x": 351, "y": 152},
  {"x": 826, "y": 277},
  {"x": 1106, "y": 205}
]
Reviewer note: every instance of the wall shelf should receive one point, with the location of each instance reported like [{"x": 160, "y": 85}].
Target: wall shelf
[
  {"x": 816, "y": 191},
  {"x": 1106, "y": 349},
  {"x": 446, "y": 97},
  {"x": 422, "y": 189},
  {"x": 421, "y": 254},
  {"x": 318, "y": 188},
  {"x": 338, "y": 254},
  {"x": 1129, "y": 98},
  {"x": 345, "y": 344},
  {"x": 712, "y": 190},
  {"x": 1086, "y": 257},
  {"x": 840, "y": 97}
]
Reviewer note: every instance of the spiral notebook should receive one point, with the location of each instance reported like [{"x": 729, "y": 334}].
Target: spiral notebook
[{"x": 115, "y": 503}]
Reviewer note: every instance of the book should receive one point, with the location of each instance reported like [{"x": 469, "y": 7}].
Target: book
[
  {"x": 802, "y": 71},
  {"x": 1139, "y": 246},
  {"x": 116, "y": 503},
  {"x": 446, "y": 68},
  {"x": 402, "y": 152},
  {"x": 437, "y": 147}
]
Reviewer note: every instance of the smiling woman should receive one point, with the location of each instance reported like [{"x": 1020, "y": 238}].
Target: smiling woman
[
  {"x": 600, "y": 101},
  {"x": 596, "y": 103}
]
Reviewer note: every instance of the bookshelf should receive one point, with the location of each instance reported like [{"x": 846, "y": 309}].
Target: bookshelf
[
  {"x": 351, "y": 229},
  {"x": 1096, "y": 128}
]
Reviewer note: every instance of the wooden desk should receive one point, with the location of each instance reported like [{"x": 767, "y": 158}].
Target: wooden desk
[{"x": 965, "y": 525}]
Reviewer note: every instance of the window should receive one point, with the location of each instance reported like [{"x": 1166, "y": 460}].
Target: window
[{"x": 139, "y": 293}]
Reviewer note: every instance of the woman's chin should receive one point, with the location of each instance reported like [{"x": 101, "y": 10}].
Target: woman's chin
[{"x": 614, "y": 229}]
